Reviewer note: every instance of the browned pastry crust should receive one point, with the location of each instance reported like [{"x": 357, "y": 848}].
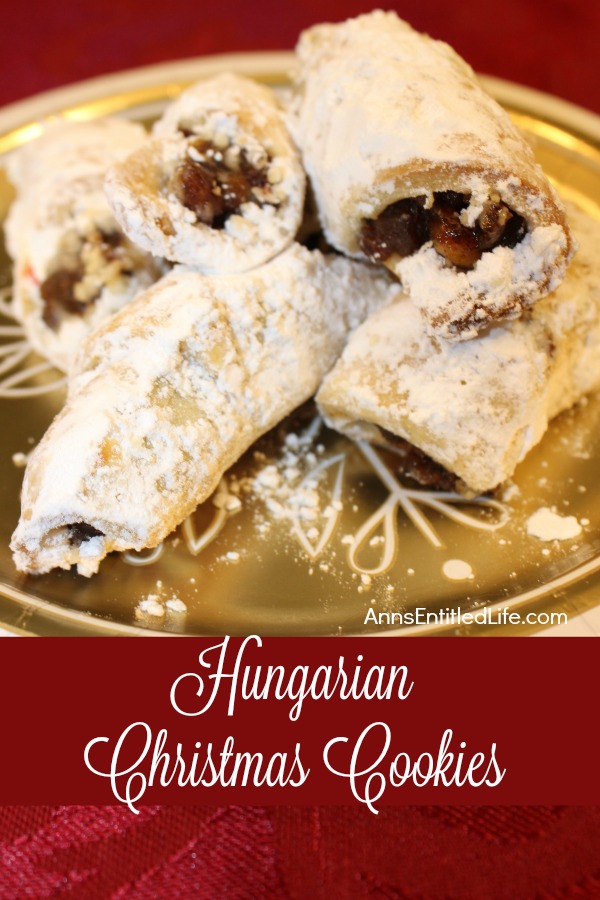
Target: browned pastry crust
[{"x": 389, "y": 119}]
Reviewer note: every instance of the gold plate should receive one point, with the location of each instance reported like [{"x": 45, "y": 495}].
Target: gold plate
[{"x": 309, "y": 533}]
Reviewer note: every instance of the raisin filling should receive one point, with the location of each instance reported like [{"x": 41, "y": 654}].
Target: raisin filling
[
  {"x": 79, "y": 532},
  {"x": 83, "y": 270},
  {"x": 215, "y": 183},
  {"x": 407, "y": 224},
  {"x": 58, "y": 294},
  {"x": 419, "y": 466}
]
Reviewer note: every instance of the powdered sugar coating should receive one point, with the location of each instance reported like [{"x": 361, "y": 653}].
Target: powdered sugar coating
[
  {"x": 457, "y": 305},
  {"x": 230, "y": 112},
  {"x": 170, "y": 392},
  {"x": 475, "y": 407},
  {"x": 385, "y": 113},
  {"x": 61, "y": 206},
  {"x": 548, "y": 525},
  {"x": 69, "y": 150}
]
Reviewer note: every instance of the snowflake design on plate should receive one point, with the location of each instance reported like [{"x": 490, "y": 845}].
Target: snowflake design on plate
[
  {"x": 327, "y": 476},
  {"x": 384, "y": 519},
  {"x": 15, "y": 349}
]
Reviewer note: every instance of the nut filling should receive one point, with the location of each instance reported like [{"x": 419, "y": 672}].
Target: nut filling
[
  {"x": 406, "y": 225},
  {"x": 215, "y": 182},
  {"x": 84, "y": 266}
]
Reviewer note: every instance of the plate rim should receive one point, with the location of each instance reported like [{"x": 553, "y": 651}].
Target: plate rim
[
  {"x": 270, "y": 63},
  {"x": 57, "y": 101}
]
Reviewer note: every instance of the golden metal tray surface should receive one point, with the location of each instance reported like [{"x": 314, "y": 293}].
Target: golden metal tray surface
[{"x": 309, "y": 533}]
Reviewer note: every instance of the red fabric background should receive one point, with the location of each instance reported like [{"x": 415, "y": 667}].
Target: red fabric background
[
  {"x": 547, "y": 853},
  {"x": 551, "y": 45},
  {"x": 405, "y": 853}
]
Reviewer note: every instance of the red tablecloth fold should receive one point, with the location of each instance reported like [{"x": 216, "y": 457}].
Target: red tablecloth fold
[{"x": 233, "y": 853}]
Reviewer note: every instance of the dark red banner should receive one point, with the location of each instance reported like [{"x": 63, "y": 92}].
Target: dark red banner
[{"x": 299, "y": 721}]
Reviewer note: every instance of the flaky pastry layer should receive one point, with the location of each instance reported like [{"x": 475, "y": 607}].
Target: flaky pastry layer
[
  {"x": 237, "y": 119},
  {"x": 73, "y": 266},
  {"x": 385, "y": 114},
  {"x": 475, "y": 407},
  {"x": 170, "y": 392}
]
